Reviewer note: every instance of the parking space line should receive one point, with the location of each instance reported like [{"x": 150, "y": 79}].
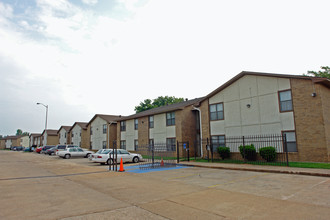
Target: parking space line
[{"x": 61, "y": 175}]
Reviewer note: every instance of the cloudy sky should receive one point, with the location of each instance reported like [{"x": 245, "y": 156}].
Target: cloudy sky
[{"x": 83, "y": 57}]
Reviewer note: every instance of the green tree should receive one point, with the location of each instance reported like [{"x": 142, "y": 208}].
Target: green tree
[
  {"x": 324, "y": 72},
  {"x": 19, "y": 132},
  {"x": 160, "y": 101}
]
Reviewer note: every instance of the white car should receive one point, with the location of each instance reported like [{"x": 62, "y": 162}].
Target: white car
[
  {"x": 74, "y": 152},
  {"x": 91, "y": 156},
  {"x": 62, "y": 147},
  {"x": 101, "y": 156},
  {"x": 127, "y": 157}
]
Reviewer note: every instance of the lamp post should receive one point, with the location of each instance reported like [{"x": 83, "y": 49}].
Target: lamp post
[{"x": 46, "y": 106}]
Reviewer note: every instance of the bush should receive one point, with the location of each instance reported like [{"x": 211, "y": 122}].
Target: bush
[
  {"x": 224, "y": 152},
  {"x": 248, "y": 152},
  {"x": 268, "y": 153}
]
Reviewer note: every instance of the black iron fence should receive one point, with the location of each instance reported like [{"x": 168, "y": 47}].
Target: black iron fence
[
  {"x": 256, "y": 149},
  {"x": 157, "y": 155}
]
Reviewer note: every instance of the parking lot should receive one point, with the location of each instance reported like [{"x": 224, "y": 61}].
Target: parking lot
[{"x": 34, "y": 186}]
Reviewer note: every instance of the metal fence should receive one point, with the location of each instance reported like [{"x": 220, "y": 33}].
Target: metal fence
[
  {"x": 247, "y": 149},
  {"x": 158, "y": 155}
]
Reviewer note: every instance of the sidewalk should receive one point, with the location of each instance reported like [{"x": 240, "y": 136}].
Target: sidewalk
[{"x": 258, "y": 168}]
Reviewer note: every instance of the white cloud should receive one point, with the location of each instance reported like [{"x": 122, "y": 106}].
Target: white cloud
[
  {"x": 180, "y": 48},
  {"x": 90, "y": 2}
]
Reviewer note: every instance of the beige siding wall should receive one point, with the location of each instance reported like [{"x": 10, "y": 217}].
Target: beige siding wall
[
  {"x": 263, "y": 117},
  {"x": 161, "y": 132},
  {"x": 62, "y": 136},
  {"x": 129, "y": 135},
  {"x": 98, "y": 136},
  {"x": 77, "y": 133}
]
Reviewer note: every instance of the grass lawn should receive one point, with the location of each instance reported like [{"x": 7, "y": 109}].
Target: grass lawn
[{"x": 291, "y": 164}]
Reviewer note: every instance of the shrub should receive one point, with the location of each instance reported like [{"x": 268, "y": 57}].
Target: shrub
[
  {"x": 268, "y": 153},
  {"x": 224, "y": 152},
  {"x": 248, "y": 152}
]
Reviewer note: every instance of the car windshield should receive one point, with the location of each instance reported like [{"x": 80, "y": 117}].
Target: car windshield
[{"x": 106, "y": 151}]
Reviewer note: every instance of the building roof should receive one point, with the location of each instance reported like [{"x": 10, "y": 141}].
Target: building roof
[
  {"x": 163, "y": 109},
  {"x": 66, "y": 128},
  {"x": 319, "y": 80},
  {"x": 12, "y": 137},
  {"x": 35, "y": 135},
  {"x": 83, "y": 125},
  {"x": 50, "y": 132},
  {"x": 107, "y": 118}
]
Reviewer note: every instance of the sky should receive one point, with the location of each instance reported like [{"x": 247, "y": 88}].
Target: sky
[{"x": 87, "y": 57}]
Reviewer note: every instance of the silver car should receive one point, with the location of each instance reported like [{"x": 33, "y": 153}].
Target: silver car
[{"x": 74, "y": 152}]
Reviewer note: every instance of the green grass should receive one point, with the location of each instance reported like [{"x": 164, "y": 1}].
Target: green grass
[
  {"x": 291, "y": 164},
  {"x": 310, "y": 165}
]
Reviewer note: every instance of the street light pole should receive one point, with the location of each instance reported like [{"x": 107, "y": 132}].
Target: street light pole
[{"x": 46, "y": 106}]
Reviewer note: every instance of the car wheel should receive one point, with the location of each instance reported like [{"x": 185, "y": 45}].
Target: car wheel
[
  {"x": 67, "y": 156},
  {"x": 135, "y": 159},
  {"x": 109, "y": 161},
  {"x": 87, "y": 155}
]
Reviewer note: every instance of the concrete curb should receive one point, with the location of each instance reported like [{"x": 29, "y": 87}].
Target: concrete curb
[{"x": 306, "y": 173}]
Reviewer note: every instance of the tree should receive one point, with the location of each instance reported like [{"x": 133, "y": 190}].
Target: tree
[
  {"x": 325, "y": 73},
  {"x": 19, "y": 132},
  {"x": 160, "y": 101},
  {"x": 25, "y": 133}
]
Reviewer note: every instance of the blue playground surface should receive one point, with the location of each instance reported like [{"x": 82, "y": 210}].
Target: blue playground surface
[{"x": 136, "y": 169}]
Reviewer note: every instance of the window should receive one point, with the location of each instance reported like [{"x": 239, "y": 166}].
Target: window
[
  {"x": 291, "y": 140},
  {"x": 104, "y": 129},
  {"x": 104, "y": 144},
  {"x": 123, "y": 145},
  {"x": 216, "y": 112},
  {"x": 65, "y": 135},
  {"x": 218, "y": 141},
  {"x": 123, "y": 126},
  {"x": 285, "y": 101},
  {"x": 170, "y": 144},
  {"x": 91, "y": 131},
  {"x": 136, "y": 124},
  {"x": 170, "y": 118},
  {"x": 80, "y": 150},
  {"x": 72, "y": 135},
  {"x": 151, "y": 121},
  {"x": 136, "y": 144}
]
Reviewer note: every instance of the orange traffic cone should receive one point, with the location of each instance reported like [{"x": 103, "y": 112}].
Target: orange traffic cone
[
  {"x": 162, "y": 163},
  {"x": 121, "y": 168}
]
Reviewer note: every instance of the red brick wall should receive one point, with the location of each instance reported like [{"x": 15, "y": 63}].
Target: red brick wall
[{"x": 309, "y": 121}]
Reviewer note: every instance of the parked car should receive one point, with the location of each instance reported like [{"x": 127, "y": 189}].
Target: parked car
[
  {"x": 17, "y": 148},
  {"x": 45, "y": 148},
  {"x": 101, "y": 156},
  {"x": 28, "y": 149},
  {"x": 124, "y": 154},
  {"x": 62, "y": 147},
  {"x": 50, "y": 151},
  {"x": 38, "y": 149},
  {"x": 74, "y": 152},
  {"x": 91, "y": 156}
]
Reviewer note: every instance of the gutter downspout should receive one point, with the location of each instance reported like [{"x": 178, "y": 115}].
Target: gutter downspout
[
  {"x": 109, "y": 135},
  {"x": 200, "y": 129}
]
